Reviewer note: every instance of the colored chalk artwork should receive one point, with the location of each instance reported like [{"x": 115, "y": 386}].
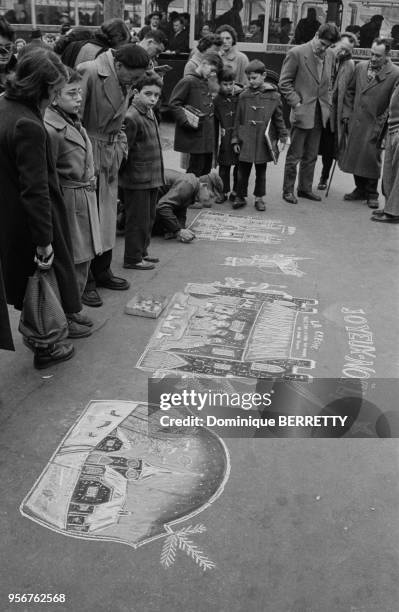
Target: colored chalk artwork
[
  {"x": 209, "y": 225},
  {"x": 118, "y": 476},
  {"x": 233, "y": 328}
]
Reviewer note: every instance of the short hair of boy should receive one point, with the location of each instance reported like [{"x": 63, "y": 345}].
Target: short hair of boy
[
  {"x": 214, "y": 60},
  {"x": 157, "y": 36},
  {"x": 329, "y": 31},
  {"x": 132, "y": 56},
  {"x": 208, "y": 41},
  {"x": 255, "y": 66},
  {"x": 147, "y": 80},
  {"x": 73, "y": 75},
  {"x": 228, "y": 74}
]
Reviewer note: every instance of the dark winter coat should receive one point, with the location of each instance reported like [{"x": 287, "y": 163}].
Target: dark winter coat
[
  {"x": 254, "y": 111},
  {"x": 366, "y": 104},
  {"x": 5, "y": 328},
  {"x": 225, "y": 112},
  {"x": 143, "y": 168},
  {"x": 32, "y": 211},
  {"x": 193, "y": 90},
  {"x": 178, "y": 193},
  {"x": 179, "y": 42}
]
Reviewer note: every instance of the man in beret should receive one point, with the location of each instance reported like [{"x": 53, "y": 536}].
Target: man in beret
[
  {"x": 107, "y": 83},
  {"x": 180, "y": 191}
]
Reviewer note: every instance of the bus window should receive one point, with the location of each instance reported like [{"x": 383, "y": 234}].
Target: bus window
[{"x": 247, "y": 18}]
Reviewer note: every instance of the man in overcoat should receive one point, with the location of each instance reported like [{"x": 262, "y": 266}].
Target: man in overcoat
[
  {"x": 365, "y": 112},
  {"x": 305, "y": 84},
  {"x": 106, "y": 86}
]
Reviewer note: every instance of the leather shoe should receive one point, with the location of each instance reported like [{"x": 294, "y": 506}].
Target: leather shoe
[
  {"x": 239, "y": 203},
  {"x": 151, "y": 259},
  {"x": 232, "y": 196},
  {"x": 53, "y": 354},
  {"x": 78, "y": 331},
  {"x": 385, "y": 218},
  {"x": 80, "y": 318},
  {"x": 373, "y": 204},
  {"x": 114, "y": 282},
  {"x": 309, "y": 195},
  {"x": 290, "y": 198},
  {"x": 141, "y": 265},
  {"x": 91, "y": 298},
  {"x": 322, "y": 186},
  {"x": 259, "y": 204},
  {"x": 378, "y": 213},
  {"x": 354, "y": 196}
]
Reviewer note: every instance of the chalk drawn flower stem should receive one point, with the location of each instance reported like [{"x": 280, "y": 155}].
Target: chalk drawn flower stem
[{"x": 180, "y": 540}]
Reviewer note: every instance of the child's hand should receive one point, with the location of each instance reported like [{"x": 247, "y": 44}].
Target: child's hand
[
  {"x": 236, "y": 148},
  {"x": 282, "y": 142},
  {"x": 93, "y": 183}
]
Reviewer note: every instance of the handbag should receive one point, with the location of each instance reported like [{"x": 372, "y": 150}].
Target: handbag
[{"x": 43, "y": 320}]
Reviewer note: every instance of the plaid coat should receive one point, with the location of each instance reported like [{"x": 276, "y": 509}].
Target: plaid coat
[{"x": 143, "y": 168}]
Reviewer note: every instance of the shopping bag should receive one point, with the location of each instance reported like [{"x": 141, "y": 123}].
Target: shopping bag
[{"x": 43, "y": 320}]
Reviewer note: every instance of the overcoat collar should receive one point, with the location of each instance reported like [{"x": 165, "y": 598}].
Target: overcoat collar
[
  {"x": 112, "y": 88},
  {"x": 60, "y": 124},
  {"x": 311, "y": 62},
  {"x": 365, "y": 84}
]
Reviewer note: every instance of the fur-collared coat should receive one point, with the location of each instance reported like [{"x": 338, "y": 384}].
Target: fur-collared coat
[
  {"x": 104, "y": 107},
  {"x": 73, "y": 157},
  {"x": 32, "y": 210},
  {"x": 366, "y": 104}
]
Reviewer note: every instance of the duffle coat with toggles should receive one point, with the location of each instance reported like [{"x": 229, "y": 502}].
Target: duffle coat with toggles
[
  {"x": 225, "y": 112},
  {"x": 104, "y": 107},
  {"x": 254, "y": 111},
  {"x": 193, "y": 90}
]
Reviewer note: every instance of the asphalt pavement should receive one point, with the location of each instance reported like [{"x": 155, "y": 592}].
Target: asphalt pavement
[{"x": 303, "y": 524}]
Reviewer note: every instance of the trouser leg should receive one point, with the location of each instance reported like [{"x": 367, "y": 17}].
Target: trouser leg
[
  {"x": 361, "y": 187},
  {"x": 153, "y": 193},
  {"x": 260, "y": 180},
  {"x": 244, "y": 170},
  {"x": 309, "y": 159},
  {"x": 224, "y": 173},
  {"x": 137, "y": 207},
  {"x": 200, "y": 163},
  {"x": 294, "y": 155},
  {"x": 100, "y": 268},
  {"x": 235, "y": 177},
  {"x": 81, "y": 273}
]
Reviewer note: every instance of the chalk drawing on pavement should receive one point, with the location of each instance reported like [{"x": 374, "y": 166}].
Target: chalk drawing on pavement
[
  {"x": 209, "y": 225},
  {"x": 275, "y": 264}
]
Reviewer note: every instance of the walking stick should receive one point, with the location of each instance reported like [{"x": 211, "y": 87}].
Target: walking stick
[{"x": 331, "y": 178}]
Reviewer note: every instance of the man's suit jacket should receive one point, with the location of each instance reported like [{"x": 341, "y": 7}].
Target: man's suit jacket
[{"x": 300, "y": 83}]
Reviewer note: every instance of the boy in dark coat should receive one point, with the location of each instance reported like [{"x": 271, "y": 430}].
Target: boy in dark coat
[
  {"x": 142, "y": 174},
  {"x": 225, "y": 111},
  {"x": 193, "y": 90},
  {"x": 258, "y": 105}
]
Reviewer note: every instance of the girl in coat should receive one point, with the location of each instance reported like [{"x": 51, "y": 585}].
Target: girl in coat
[
  {"x": 33, "y": 223},
  {"x": 73, "y": 156}
]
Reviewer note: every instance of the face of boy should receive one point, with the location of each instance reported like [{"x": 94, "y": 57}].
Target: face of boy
[
  {"x": 148, "y": 95},
  {"x": 207, "y": 69},
  {"x": 255, "y": 79},
  {"x": 227, "y": 87},
  {"x": 69, "y": 98}
]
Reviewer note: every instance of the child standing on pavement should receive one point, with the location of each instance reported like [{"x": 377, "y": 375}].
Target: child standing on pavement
[
  {"x": 142, "y": 173},
  {"x": 73, "y": 157},
  {"x": 225, "y": 111},
  {"x": 194, "y": 90},
  {"x": 257, "y": 105}
]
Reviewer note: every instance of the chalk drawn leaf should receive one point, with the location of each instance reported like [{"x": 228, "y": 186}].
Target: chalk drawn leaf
[
  {"x": 190, "y": 529},
  {"x": 168, "y": 553},
  {"x": 193, "y": 551}
]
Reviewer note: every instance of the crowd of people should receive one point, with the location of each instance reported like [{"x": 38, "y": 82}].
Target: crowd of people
[{"x": 79, "y": 136}]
